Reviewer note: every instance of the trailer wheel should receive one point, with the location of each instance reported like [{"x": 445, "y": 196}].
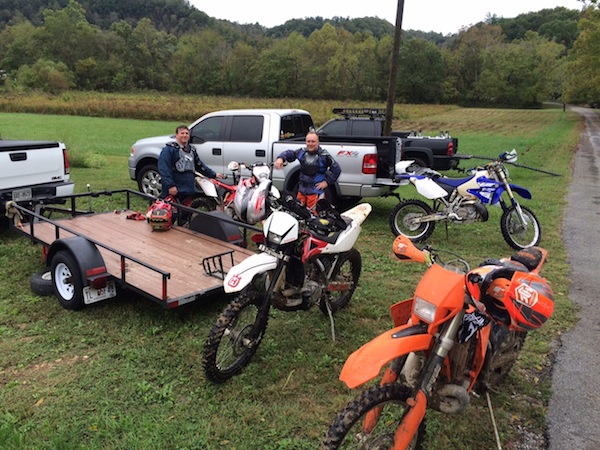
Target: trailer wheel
[
  {"x": 41, "y": 283},
  {"x": 67, "y": 281}
]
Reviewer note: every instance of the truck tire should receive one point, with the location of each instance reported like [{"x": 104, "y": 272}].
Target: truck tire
[
  {"x": 149, "y": 181},
  {"x": 41, "y": 283},
  {"x": 67, "y": 280}
]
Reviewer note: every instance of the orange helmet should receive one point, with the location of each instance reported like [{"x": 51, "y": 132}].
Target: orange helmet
[{"x": 512, "y": 296}]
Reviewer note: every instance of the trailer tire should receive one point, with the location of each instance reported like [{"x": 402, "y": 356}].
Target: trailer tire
[
  {"x": 67, "y": 281},
  {"x": 41, "y": 283}
]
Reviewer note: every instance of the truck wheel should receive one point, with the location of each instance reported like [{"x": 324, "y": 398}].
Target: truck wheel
[
  {"x": 148, "y": 180},
  {"x": 67, "y": 281},
  {"x": 41, "y": 283}
]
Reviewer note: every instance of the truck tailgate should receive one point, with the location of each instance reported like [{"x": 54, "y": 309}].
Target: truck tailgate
[{"x": 24, "y": 163}]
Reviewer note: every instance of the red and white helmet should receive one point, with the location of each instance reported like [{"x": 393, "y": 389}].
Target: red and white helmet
[
  {"x": 511, "y": 295},
  {"x": 160, "y": 215}
]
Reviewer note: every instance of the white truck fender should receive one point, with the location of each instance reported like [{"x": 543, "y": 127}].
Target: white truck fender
[{"x": 240, "y": 275}]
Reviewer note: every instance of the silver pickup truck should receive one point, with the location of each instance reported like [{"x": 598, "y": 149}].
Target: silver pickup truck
[
  {"x": 33, "y": 171},
  {"x": 260, "y": 135}
]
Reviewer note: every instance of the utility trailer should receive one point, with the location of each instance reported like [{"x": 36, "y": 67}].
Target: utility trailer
[{"x": 92, "y": 254}]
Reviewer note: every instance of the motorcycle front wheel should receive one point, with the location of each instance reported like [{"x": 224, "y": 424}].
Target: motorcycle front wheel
[
  {"x": 203, "y": 204},
  {"x": 229, "y": 347},
  {"x": 371, "y": 420},
  {"x": 343, "y": 283},
  {"x": 517, "y": 235},
  {"x": 403, "y": 216}
]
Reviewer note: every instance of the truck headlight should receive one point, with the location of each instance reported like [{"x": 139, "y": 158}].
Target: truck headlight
[{"x": 424, "y": 310}]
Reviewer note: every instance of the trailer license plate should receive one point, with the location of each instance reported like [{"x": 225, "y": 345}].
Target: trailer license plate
[
  {"x": 21, "y": 195},
  {"x": 91, "y": 295}
]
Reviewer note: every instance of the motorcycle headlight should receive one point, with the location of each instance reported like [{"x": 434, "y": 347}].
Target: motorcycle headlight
[
  {"x": 424, "y": 310},
  {"x": 274, "y": 238}
]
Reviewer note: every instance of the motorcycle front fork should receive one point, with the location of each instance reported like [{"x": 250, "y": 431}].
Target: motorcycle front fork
[{"x": 417, "y": 403}]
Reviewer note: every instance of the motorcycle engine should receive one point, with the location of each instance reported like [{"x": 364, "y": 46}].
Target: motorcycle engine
[{"x": 469, "y": 212}]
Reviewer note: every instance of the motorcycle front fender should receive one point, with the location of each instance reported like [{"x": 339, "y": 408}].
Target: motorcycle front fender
[
  {"x": 366, "y": 363},
  {"x": 523, "y": 192},
  {"x": 240, "y": 275}
]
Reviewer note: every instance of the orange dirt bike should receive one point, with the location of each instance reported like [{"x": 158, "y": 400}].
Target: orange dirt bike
[{"x": 462, "y": 330}]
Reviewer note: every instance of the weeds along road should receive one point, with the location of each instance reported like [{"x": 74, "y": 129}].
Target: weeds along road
[{"x": 574, "y": 409}]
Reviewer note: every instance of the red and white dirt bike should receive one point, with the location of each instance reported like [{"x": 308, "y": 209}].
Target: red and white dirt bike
[
  {"x": 305, "y": 260},
  {"x": 462, "y": 330},
  {"x": 247, "y": 199}
]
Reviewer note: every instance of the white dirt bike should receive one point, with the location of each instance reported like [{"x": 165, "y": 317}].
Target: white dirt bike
[{"x": 305, "y": 260}]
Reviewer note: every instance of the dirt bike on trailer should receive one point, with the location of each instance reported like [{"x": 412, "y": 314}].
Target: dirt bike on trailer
[
  {"x": 247, "y": 200},
  {"x": 464, "y": 201},
  {"x": 305, "y": 260},
  {"x": 462, "y": 331}
]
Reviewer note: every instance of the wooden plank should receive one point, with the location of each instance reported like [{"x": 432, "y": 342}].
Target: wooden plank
[{"x": 178, "y": 251}]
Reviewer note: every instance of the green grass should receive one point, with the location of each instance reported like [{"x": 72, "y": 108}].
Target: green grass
[{"x": 127, "y": 374}]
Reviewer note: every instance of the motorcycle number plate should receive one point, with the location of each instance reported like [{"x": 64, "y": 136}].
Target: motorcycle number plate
[{"x": 273, "y": 253}]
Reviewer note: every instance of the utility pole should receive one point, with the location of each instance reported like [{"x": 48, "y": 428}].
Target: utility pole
[{"x": 391, "y": 95}]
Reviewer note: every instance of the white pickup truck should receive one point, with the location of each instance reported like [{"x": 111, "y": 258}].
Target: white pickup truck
[
  {"x": 260, "y": 135},
  {"x": 33, "y": 171}
]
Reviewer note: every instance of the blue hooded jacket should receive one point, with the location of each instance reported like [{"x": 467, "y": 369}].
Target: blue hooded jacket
[{"x": 183, "y": 180}]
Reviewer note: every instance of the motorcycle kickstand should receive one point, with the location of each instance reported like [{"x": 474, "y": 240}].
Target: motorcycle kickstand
[
  {"x": 330, "y": 314},
  {"x": 447, "y": 235}
]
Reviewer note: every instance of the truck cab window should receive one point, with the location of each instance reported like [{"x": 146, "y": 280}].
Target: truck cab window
[
  {"x": 246, "y": 129},
  {"x": 365, "y": 128},
  {"x": 207, "y": 130},
  {"x": 337, "y": 128}
]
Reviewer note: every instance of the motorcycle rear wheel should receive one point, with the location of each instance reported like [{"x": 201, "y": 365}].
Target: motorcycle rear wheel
[
  {"x": 506, "y": 346},
  {"x": 514, "y": 234},
  {"x": 346, "y": 273},
  {"x": 389, "y": 402},
  {"x": 228, "y": 348},
  {"x": 402, "y": 217}
]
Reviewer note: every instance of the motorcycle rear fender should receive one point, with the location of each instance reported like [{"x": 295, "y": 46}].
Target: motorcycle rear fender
[
  {"x": 366, "y": 363},
  {"x": 428, "y": 188},
  {"x": 207, "y": 187},
  {"x": 240, "y": 275}
]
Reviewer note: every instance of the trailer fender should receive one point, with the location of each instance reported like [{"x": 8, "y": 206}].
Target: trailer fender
[
  {"x": 240, "y": 275},
  {"x": 86, "y": 254},
  {"x": 366, "y": 362}
]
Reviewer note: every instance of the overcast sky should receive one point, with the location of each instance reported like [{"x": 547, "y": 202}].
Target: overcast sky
[{"x": 441, "y": 16}]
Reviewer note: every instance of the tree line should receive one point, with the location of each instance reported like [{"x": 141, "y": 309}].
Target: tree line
[{"x": 549, "y": 55}]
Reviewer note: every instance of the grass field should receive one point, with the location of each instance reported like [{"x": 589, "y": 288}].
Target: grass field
[{"x": 127, "y": 374}]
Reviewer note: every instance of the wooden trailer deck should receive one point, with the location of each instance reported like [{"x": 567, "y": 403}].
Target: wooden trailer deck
[{"x": 166, "y": 266}]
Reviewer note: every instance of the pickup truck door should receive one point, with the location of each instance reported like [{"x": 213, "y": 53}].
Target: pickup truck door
[
  {"x": 207, "y": 136},
  {"x": 247, "y": 139}
]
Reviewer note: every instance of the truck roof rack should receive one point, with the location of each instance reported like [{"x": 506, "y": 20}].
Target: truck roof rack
[{"x": 360, "y": 112}]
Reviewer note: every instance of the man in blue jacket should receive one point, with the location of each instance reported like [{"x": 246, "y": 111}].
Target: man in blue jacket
[
  {"x": 318, "y": 169},
  {"x": 177, "y": 163}
]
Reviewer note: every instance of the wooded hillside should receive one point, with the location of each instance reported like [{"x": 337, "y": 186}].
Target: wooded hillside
[{"x": 168, "y": 45}]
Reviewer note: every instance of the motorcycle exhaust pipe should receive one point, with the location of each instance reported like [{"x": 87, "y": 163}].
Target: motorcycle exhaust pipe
[{"x": 450, "y": 399}]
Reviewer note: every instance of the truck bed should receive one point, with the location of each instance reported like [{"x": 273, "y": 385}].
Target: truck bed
[{"x": 166, "y": 266}]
